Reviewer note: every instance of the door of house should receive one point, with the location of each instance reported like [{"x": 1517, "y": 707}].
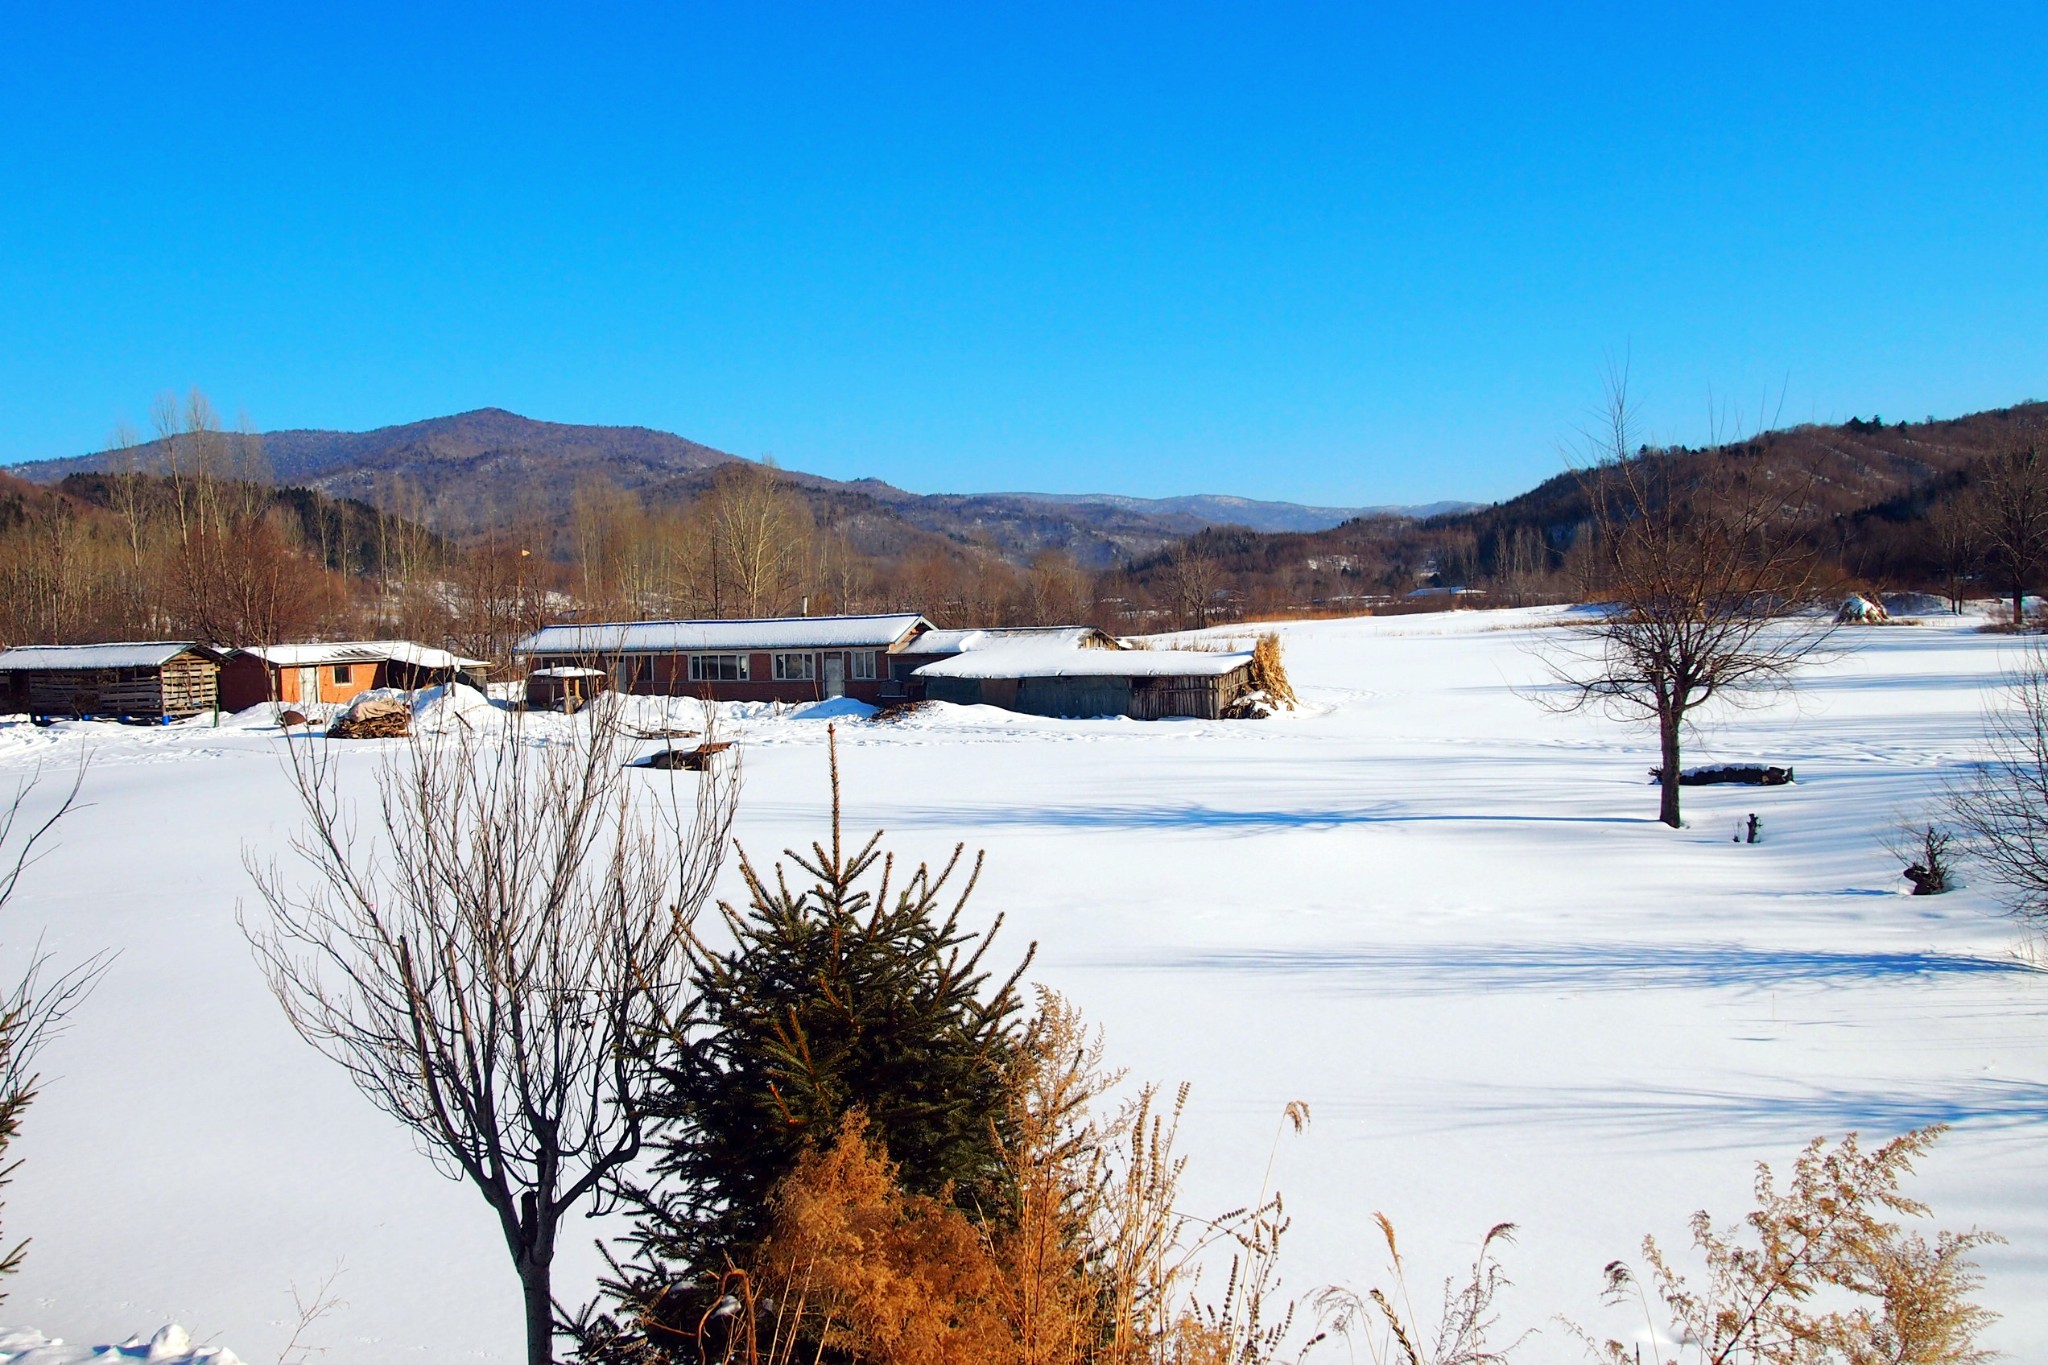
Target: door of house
[
  {"x": 309, "y": 686},
  {"x": 835, "y": 675}
]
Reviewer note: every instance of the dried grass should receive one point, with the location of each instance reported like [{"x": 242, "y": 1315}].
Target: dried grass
[
  {"x": 1269, "y": 675},
  {"x": 1093, "y": 1263},
  {"x": 1833, "y": 1237}
]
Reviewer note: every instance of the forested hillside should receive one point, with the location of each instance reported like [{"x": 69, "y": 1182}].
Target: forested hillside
[{"x": 203, "y": 534}]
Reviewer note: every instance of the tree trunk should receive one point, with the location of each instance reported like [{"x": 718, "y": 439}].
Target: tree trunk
[
  {"x": 1667, "y": 798},
  {"x": 2019, "y": 603},
  {"x": 536, "y": 1282}
]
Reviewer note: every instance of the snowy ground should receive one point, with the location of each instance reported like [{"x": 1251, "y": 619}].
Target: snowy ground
[{"x": 1440, "y": 915}]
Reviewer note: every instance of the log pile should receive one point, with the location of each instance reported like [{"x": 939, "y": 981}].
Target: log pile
[
  {"x": 377, "y": 719},
  {"x": 690, "y": 760},
  {"x": 1741, "y": 774}
]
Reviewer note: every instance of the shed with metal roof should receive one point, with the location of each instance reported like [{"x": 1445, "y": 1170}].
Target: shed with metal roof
[
  {"x": 782, "y": 658},
  {"x": 335, "y": 672},
  {"x": 125, "y": 680}
]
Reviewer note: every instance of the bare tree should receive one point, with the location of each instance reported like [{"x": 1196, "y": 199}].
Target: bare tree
[
  {"x": 34, "y": 1008},
  {"x": 1193, "y": 577},
  {"x": 2001, "y": 809},
  {"x": 1953, "y": 528},
  {"x": 1703, "y": 588},
  {"x": 2010, "y": 515},
  {"x": 488, "y": 965},
  {"x": 762, "y": 533}
]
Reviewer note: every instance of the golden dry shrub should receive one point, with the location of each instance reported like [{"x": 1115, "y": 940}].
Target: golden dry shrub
[
  {"x": 878, "y": 1275},
  {"x": 1269, "y": 675}
]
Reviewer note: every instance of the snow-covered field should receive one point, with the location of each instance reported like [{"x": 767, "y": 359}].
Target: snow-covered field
[{"x": 1442, "y": 916}]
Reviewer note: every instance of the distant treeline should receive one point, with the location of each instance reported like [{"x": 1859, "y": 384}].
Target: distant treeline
[{"x": 201, "y": 543}]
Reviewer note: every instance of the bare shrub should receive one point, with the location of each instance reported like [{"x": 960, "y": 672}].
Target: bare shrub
[
  {"x": 1832, "y": 1236},
  {"x": 1927, "y": 850}
]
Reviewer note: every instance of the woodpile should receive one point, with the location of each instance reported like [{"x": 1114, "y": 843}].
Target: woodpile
[
  {"x": 690, "y": 760},
  {"x": 662, "y": 734},
  {"x": 1739, "y": 774},
  {"x": 379, "y": 718}
]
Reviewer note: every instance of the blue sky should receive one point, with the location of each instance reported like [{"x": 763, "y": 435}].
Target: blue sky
[{"x": 1333, "y": 254}]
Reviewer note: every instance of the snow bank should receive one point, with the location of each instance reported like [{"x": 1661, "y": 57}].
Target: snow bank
[
  {"x": 450, "y": 704},
  {"x": 834, "y": 708},
  {"x": 171, "y": 1345}
]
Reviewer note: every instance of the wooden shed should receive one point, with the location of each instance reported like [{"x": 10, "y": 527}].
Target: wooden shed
[
  {"x": 134, "y": 680},
  {"x": 1058, "y": 679},
  {"x": 336, "y": 672}
]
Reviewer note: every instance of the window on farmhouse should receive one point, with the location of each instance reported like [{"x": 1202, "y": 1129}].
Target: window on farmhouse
[
  {"x": 718, "y": 668},
  {"x": 863, "y": 666},
  {"x": 793, "y": 668},
  {"x": 344, "y": 673}
]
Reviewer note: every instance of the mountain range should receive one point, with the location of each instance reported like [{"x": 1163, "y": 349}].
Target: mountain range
[{"x": 467, "y": 472}]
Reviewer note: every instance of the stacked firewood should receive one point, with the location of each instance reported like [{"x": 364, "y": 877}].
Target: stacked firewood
[{"x": 373, "y": 720}]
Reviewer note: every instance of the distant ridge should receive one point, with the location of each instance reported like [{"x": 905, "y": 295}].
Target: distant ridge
[
  {"x": 470, "y": 471},
  {"x": 1219, "y": 509}
]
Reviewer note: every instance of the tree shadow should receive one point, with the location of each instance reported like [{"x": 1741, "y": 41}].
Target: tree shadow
[
  {"x": 1195, "y": 816},
  {"x": 1445, "y": 970}
]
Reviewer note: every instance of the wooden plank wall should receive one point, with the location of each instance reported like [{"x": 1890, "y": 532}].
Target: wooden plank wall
[{"x": 184, "y": 686}]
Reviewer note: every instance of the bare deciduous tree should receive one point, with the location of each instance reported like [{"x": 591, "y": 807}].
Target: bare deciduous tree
[
  {"x": 2009, "y": 512},
  {"x": 2001, "y": 809},
  {"x": 762, "y": 533},
  {"x": 34, "y": 1008},
  {"x": 1704, "y": 590},
  {"x": 486, "y": 961},
  {"x": 1193, "y": 577}
]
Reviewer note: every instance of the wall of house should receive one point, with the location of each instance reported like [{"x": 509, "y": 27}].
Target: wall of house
[
  {"x": 246, "y": 681},
  {"x": 669, "y": 675},
  {"x": 1147, "y": 698},
  {"x": 185, "y": 686}
]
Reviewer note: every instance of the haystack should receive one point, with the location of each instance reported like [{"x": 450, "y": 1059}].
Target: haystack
[{"x": 1269, "y": 675}]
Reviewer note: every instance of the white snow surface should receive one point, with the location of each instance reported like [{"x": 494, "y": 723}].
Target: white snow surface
[
  {"x": 127, "y": 654},
  {"x": 1441, "y": 915},
  {"x": 170, "y": 1345},
  {"x": 958, "y": 641}
]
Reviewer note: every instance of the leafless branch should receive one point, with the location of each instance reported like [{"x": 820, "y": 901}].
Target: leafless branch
[{"x": 487, "y": 956}]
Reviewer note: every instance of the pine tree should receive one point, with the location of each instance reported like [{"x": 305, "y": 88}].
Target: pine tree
[{"x": 855, "y": 992}]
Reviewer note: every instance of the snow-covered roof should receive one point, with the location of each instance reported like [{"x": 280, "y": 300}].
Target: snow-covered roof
[
  {"x": 127, "y": 654},
  {"x": 361, "y": 651},
  {"x": 1038, "y": 659},
  {"x": 676, "y": 637},
  {"x": 565, "y": 671},
  {"x": 960, "y": 641}
]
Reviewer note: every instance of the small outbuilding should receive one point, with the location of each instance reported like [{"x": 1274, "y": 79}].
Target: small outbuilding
[
  {"x": 564, "y": 687},
  {"x": 336, "y": 673},
  {"x": 1055, "y": 678},
  {"x": 131, "y": 680}
]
